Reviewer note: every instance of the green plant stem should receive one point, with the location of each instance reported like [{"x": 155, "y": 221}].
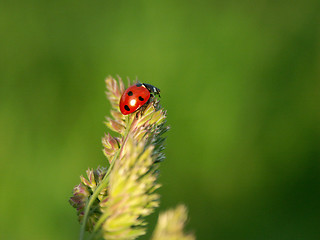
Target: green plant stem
[
  {"x": 103, "y": 183},
  {"x": 94, "y": 196}
]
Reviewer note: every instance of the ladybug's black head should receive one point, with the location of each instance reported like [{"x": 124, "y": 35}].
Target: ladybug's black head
[{"x": 152, "y": 89}]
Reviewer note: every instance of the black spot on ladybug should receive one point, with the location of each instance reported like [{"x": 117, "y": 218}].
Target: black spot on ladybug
[
  {"x": 130, "y": 93},
  {"x": 141, "y": 98},
  {"x": 139, "y": 84},
  {"x": 126, "y": 107}
]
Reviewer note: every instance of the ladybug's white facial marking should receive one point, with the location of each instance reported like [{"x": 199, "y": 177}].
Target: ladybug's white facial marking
[{"x": 133, "y": 102}]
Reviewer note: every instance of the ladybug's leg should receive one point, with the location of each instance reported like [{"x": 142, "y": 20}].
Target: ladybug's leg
[{"x": 144, "y": 106}]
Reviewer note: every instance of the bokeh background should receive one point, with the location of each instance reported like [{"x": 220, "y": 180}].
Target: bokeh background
[{"x": 240, "y": 81}]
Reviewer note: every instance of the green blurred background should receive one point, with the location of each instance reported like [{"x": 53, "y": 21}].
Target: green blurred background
[{"x": 240, "y": 81}]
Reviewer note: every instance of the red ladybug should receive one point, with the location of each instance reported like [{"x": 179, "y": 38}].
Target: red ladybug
[{"x": 136, "y": 96}]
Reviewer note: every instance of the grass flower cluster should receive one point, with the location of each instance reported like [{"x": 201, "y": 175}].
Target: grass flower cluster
[
  {"x": 170, "y": 225},
  {"x": 112, "y": 202}
]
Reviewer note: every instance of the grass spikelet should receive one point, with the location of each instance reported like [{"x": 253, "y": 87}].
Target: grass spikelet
[
  {"x": 131, "y": 193},
  {"x": 83, "y": 191},
  {"x": 114, "y": 92},
  {"x": 170, "y": 225},
  {"x": 112, "y": 202}
]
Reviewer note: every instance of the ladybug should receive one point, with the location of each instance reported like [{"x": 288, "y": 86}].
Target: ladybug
[{"x": 137, "y": 96}]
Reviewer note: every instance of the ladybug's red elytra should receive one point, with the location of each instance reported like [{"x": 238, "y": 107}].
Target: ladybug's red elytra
[{"x": 136, "y": 96}]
